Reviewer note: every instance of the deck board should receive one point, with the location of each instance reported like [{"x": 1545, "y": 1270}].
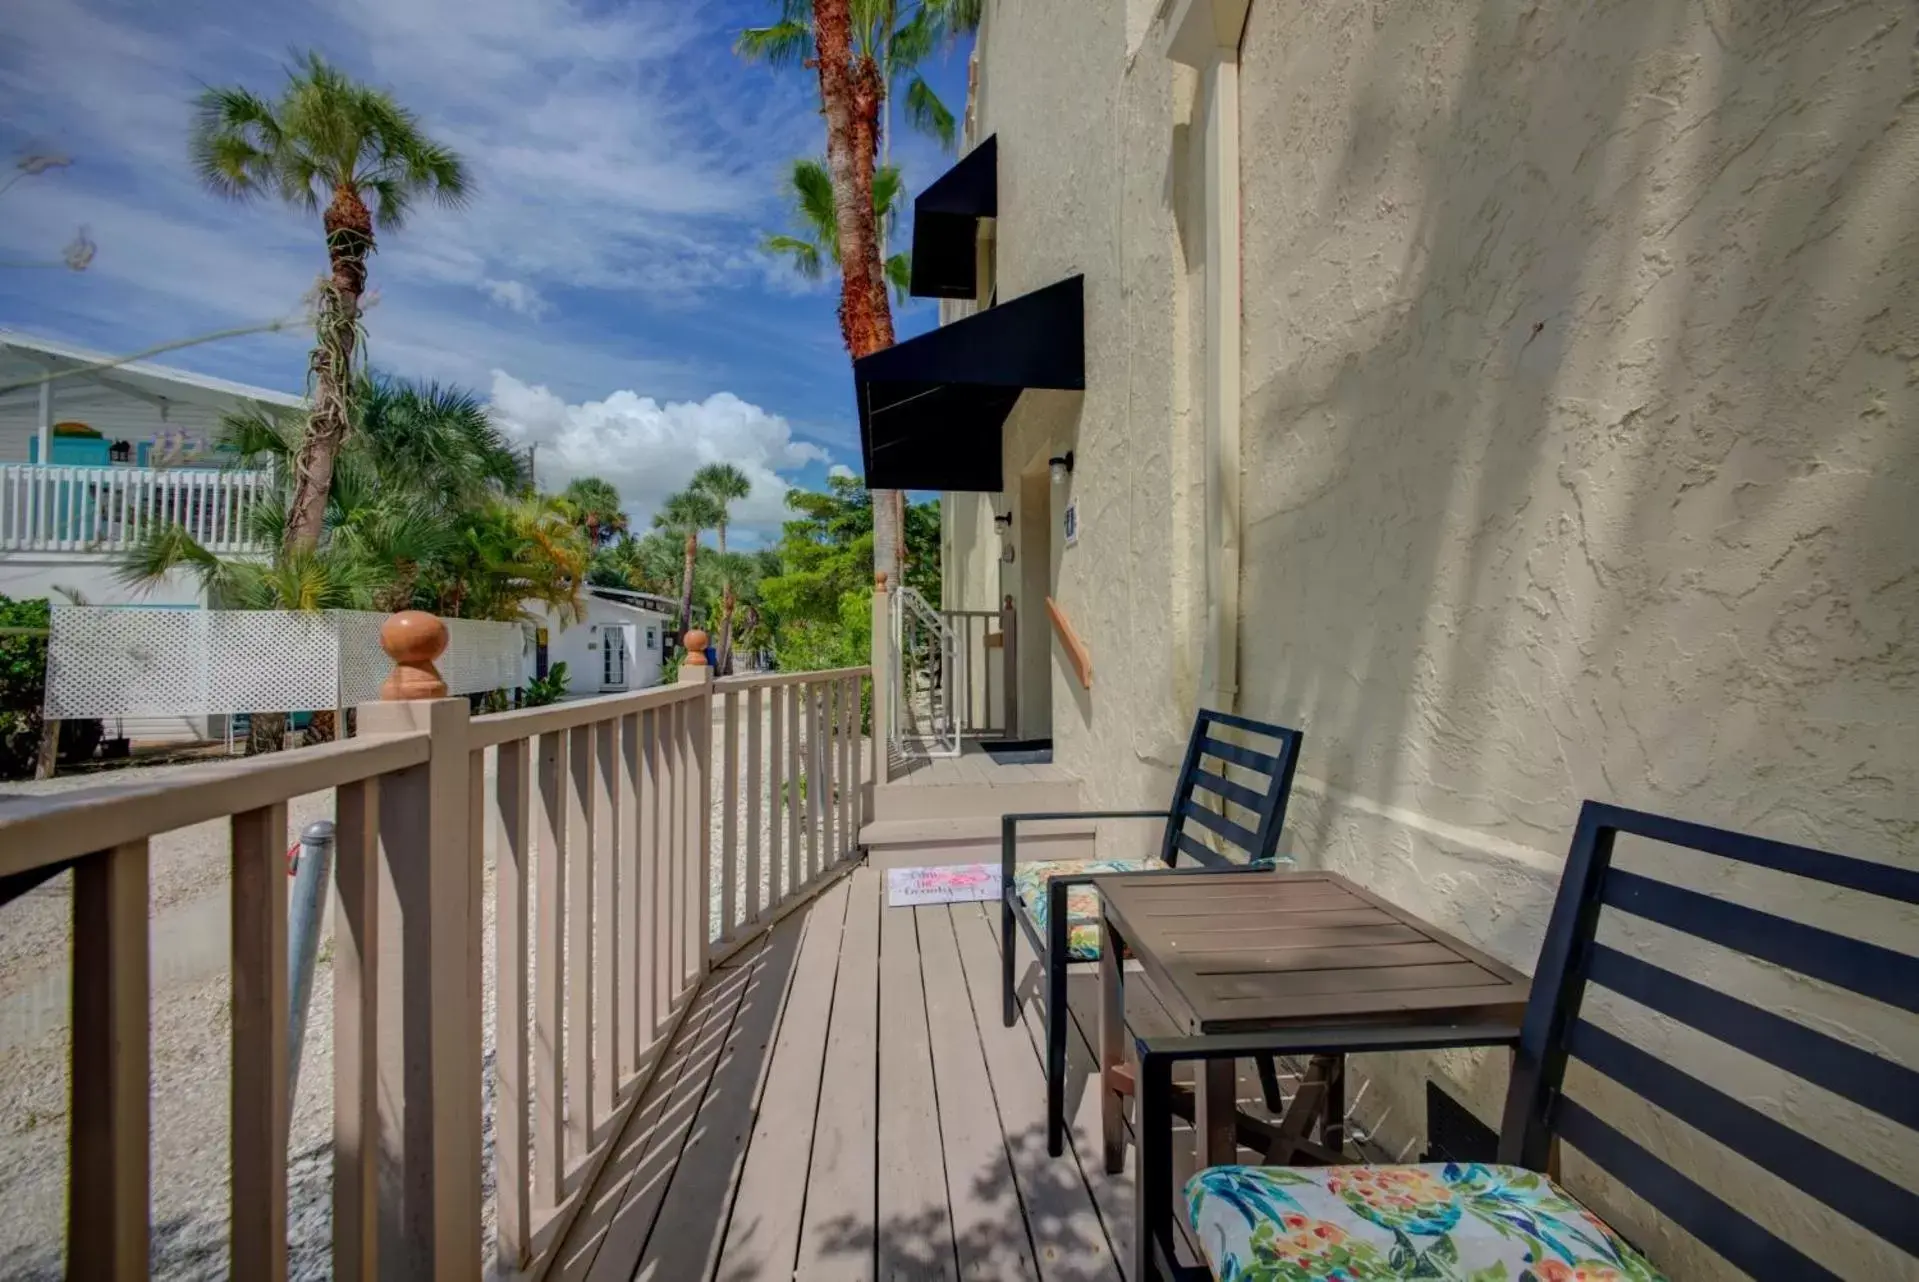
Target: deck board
[
  {"x": 915, "y": 1226},
  {"x": 1069, "y": 1240},
  {"x": 612, "y": 1228},
  {"x": 844, "y": 1102},
  {"x": 837, "y": 1237},
  {"x": 763, "y": 1234},
  {"x": 694, "y": 1208},
  {"x": 988, "y": 1229}
]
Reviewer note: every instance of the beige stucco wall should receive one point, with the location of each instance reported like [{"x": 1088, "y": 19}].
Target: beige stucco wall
[{"x": 1581, "y": 362}]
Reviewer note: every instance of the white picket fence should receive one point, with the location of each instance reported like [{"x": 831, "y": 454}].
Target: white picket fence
[{"x": 153, "y": 661}]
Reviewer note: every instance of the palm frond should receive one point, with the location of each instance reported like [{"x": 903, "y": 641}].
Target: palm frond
[
  {"x": 926, "y": 113},
  {"x": 804, "y": 253},
  {"x": 899, "y": 274},
  {"x": 786, "y": 43},
  {"x": 236, "y": 142}
]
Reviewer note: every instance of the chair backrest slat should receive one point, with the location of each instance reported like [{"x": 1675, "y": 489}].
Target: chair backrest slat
[
  {"x": 1204, "y": 778},
  {"x": 1841, "y": 1183},
  {"x": 1868, "y": 1080},
  {"x": 1881, "y": 973},
  {"x": 1736, "y": 1237},
  {"x": 1200, "y": 854},
  {"x": 1275, "y": 758},
  {"x": 1804, "y": 1157}
]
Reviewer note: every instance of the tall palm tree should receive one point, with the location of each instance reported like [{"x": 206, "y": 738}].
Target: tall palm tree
[
  {"x": 334, "y": 144},
  {"x": 900, "y": 35},
  {"x": 851, "y": 45},
  {"x": 688, "y": 514},
  {"x": 815, "y": 240},
  {"x": 725, "y": 485},
  {"x": 598, "y": 506}
]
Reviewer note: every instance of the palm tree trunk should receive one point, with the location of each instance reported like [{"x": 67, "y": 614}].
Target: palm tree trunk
[
  {"x": 686, "y": 583},
  {"x": 725, "y": 652},
  {"x": 850, "y": 96},
  {"x": 349, "y": 238}
]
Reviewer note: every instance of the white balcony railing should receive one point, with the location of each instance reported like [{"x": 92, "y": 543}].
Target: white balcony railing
[{"x": 109, "y": 509}]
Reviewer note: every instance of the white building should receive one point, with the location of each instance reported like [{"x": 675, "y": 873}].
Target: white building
[
  {"x": 93, "y": 453},
  {"x": 620, "y": 644}
]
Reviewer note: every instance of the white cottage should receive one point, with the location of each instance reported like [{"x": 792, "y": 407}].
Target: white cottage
[
  {"x": 93, "y": 453},
  {"x": 619, "y": 644}
]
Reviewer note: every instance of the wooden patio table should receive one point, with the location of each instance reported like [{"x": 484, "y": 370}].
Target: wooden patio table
[{"x": 1294, "y": 963}]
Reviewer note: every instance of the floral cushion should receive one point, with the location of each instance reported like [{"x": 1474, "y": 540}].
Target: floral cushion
[
  {"x": 1082, "y": 901},
  {"x": 1464, "y": 1221}
]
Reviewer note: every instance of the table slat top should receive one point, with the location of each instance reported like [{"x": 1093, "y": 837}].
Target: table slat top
[{"x": 1243, "y": 952}]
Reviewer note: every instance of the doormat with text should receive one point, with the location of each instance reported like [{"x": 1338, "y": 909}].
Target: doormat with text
[{"x": 951, "y": 884}]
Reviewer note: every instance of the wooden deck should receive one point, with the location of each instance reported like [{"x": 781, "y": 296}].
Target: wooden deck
[{"x": 843, "y": 1102}]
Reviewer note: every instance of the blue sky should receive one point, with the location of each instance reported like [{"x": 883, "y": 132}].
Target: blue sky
[{"x": 604, "y": 288}]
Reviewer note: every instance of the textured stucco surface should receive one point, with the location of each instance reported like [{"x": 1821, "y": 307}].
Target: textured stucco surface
[{"x": 1581, "y": 362}]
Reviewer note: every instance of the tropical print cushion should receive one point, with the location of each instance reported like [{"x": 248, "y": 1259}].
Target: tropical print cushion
[
  {"x": 1082, "y": 901},
  {"x": 1470, "y": 1222}
]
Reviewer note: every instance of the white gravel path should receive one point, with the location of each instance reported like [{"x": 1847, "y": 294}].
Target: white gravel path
[{"x": 191, "y": 1022}]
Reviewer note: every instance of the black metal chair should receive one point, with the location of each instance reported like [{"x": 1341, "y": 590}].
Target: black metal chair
[
  {"x": 1539, "y": 1112},
  {"x": 1054, "y": 902}
]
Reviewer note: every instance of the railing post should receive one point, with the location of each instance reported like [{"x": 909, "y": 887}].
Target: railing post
[
  {"x": 694, "y": 670},
  {"x": 883, "y": 660},
  {"x": 429, "y": 1041},
  {"x": 1009, "y": 665}
]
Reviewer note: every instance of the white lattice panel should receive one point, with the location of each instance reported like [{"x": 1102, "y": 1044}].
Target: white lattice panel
[
  {"x": 270, "y": 661},
  {"x": 147, "y": 661},
  {"x": 109, "y": 662},
  {"x": 482, "y": 656},
  {"x": 363, "y": 664}
]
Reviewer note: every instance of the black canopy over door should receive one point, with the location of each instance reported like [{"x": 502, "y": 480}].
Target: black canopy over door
[{"x": 931, "y": 408}]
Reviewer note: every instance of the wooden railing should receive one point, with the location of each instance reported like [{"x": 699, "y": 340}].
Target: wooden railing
[
  {"x": 610, "y": 908},
  {"x": 62, "y": 508}
]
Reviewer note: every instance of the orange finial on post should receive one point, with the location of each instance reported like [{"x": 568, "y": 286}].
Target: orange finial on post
[
  {"x": 413, "y": 639},
  {"x": 695, "y": 642}
]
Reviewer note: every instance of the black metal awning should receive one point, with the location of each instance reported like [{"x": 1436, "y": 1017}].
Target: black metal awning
[
  {"x": 946, "y": 225},
  {"x": 931, "y": 407}
]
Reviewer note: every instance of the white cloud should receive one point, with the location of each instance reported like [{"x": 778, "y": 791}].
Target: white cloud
[
  {"x": 648, "y": 449},
  {"x": 842, "y": 471},
  {"x": 518, "y": 296}
]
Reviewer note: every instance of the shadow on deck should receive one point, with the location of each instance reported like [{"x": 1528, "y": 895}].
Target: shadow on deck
[{"x": 844, "y": 1102}]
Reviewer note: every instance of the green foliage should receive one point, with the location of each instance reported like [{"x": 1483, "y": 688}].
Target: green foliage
[
  {"x": 820, "y": 602},
  {"x": 597, "y": 505},
  {"x": 429, "y": 508},
  {"x": 23, "y": 684},
  {"x": 550, "y": 688},
  {"x": 326, "y": 133}
]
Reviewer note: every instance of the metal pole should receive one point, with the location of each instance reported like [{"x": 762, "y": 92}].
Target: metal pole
[{"x": 311, "y": 874}]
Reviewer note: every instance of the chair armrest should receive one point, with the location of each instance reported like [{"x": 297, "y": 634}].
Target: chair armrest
[{"x": 1009, "y": 825}]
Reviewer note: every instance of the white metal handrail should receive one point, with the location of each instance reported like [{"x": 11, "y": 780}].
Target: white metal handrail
[{"x": 928, "y": 667}]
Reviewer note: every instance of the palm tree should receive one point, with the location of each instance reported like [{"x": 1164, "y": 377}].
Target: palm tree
[
  {"x": 328, "y": 141},
  {"x": 687, "y": 514},
  {"x": 899, "y": 34},
  {"x": 598, "y": 506},
  {"x": 858, "y": 48},
  {"x": 725, "y": 485},
  {"x": 817, "y": 238}
]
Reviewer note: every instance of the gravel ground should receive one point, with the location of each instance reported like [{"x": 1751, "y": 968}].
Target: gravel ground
[{"x": 191, "y": 1023}]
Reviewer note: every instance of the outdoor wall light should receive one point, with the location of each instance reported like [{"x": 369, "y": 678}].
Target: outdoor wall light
[{"x": 1062, "y": 466}]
